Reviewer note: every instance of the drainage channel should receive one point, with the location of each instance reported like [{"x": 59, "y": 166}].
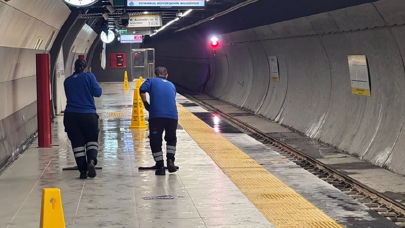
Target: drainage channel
[{"x": 386, "y": 207}]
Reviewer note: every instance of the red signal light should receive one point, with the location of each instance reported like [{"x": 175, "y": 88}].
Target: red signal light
[{"x": 214, "y": 43}]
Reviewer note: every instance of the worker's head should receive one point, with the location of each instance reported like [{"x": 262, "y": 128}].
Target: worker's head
[
  {"x": 80, "y": 65},
  {"x": 161, "y": 72}
]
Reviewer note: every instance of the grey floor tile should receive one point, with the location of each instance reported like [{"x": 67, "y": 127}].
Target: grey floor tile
[
  {"x": 204, "y": 195},
  {"x": 172, "y": 223}
]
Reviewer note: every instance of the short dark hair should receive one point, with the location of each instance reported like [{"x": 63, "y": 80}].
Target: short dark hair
[
  {"x": 160, "y": 71},
  {"x": 80, "y": 65}
]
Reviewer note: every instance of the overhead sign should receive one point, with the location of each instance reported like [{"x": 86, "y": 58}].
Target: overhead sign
[
  {"x": 140, "y": 31},
  {"x": 139, "y": 21},
  {"x": 359, "y": 75},
  {"x": 168, "y": 3},
  {"x": 122, "y": 32},
  {"x": 131, "y": 39}
]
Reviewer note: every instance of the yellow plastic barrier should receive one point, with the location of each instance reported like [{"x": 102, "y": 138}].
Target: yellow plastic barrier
[
  {"x": 138, "y": 117},
  {"x": 126, "y": 84},
  {"x": 51, "y": 209}
]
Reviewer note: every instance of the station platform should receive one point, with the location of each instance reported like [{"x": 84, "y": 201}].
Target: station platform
[{"x": 226, "y": 179}]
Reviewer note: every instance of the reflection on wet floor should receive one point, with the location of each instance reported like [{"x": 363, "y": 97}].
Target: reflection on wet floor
[
  {"x": 121, "y": 195},
  {"x": 216, "y": 122},
  {"x": 188, "y": 104}
]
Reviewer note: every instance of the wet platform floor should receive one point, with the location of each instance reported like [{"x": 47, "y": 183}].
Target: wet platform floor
[{"x": 200, "y": 194}]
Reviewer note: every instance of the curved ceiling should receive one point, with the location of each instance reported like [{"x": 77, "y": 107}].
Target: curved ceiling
[
  {"x": 219, "y": 16},
  {"x": 114, "y": 12},
  {"x": 264, "y": 12}
]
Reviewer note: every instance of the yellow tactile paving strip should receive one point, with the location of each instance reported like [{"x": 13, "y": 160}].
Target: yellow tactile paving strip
[{"x": 279, "y": 203}]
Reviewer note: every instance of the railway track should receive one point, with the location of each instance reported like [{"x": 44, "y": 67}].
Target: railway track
[{"x": 383, "y": 205}]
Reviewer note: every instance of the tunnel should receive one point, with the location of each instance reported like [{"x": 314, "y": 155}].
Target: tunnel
[
  {"x": 330, "y": 73},
  {"x": 311, "y": 42}
]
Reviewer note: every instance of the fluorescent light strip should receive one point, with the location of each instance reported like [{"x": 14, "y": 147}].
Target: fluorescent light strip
[
  {"x": 172, "y": 21},
  {"x": 186, "y": 13},
  {"x": 240, "y": 5}
]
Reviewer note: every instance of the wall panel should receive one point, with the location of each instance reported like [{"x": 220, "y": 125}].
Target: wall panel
[
  {"x": 314, "y": 94},
  {"x": 22, "y": 25}
]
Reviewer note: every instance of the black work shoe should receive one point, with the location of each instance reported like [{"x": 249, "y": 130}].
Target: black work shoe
[
  {"x": 161, "y": 171},
  {"x": 170, "y": 166},
  {"x": 91, "y": 169},
  {"x": 83, "y": 175}
]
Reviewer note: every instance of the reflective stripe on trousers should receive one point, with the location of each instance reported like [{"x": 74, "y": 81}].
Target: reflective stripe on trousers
[
  {"x": 79, "y": 152},
  {"x": 171, "y": 149},
  {"x": 92, "y": 146},
  {"x": 158, "y": 156}
]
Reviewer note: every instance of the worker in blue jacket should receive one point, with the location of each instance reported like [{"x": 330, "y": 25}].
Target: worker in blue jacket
[
  {"x": 81, "y": 119},
  {"x": 163, "y": 116}
]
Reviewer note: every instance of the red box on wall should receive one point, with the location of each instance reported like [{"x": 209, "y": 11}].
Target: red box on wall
[{"x": 118, "y": 60}]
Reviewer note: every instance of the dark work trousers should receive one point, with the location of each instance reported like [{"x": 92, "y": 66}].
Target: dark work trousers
[
  {"x": 82, "y": 130},
  {"x": 156, "y": 128}
]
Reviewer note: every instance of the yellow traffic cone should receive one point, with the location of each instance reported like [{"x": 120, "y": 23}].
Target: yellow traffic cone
[
  {"x": 51, "y": 209},
  {"x": 137, "y": 84},
  {"x": 126, "y": 85},
  {"x": 138, "y": 117}
]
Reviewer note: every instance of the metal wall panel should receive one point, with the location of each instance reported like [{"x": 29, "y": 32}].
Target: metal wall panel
[
  {"x": 21, "y": 30},
  {"x": 84, "y": 40},
  {"x": 393, "y": 11},
  {"x": 219, "y": 70},
  {"x": 323, "y": 23},
  {"x": 357, "y": 17},
  {"x": 14, "y": 130},
  {"x": 51, "y": 12},
  {"x": 17, "y": 94},
  {"x": 296, "y": 27},
  {"x": 260, "y": 76},
  {"x": 23, "y": 24},
  {"x": 264, "y": 32},
  {"x": 240, "y": 74},
  {"x": 276, "y": 91},
  {"x": 377, "y": 117},
  {"x": 396, "y": 159}
]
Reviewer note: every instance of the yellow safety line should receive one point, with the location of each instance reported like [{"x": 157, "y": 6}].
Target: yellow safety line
[{"x": 279, "y": 203}]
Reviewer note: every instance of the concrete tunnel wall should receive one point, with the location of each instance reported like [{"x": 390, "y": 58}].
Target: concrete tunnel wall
[
  {"x": 65, "y": 62},
  {"x": 28, "y": 29},
  {"x": 186, "y": 59},
  {"x": 314, "y": 94}
]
